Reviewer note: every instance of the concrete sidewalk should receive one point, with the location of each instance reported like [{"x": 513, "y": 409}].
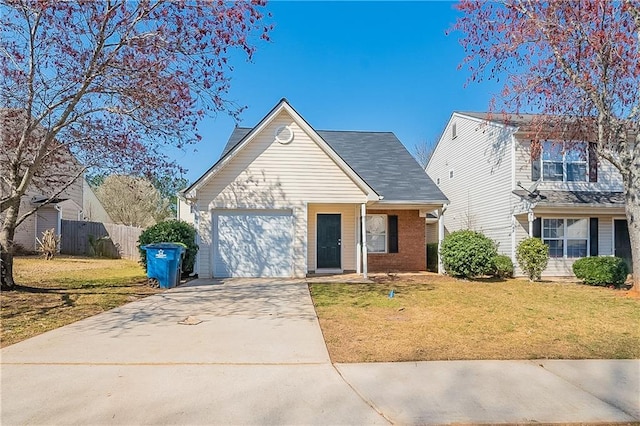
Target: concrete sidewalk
[{"x": 258, "y": 357}]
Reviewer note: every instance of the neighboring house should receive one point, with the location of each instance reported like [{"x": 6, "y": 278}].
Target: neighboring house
[
  {"x": 77, "y": 202},
  {"x": 92, "y": 208},
  {"x": 288, "y": 200},
  {"x": 496, "y": 184}
]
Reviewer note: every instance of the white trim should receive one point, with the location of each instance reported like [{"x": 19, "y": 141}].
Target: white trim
[
  {"x": 363, "y": 229},
  {"x": 440, "y": 238},
  {"x": 358, "y": 244},
  {"x": 513, "y": 162}
]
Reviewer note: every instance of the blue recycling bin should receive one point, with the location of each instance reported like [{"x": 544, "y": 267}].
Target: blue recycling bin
[{"x": 164, "y": 263}]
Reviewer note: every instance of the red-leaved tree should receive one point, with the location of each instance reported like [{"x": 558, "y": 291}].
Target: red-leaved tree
[
  {"x": 577, "y": 62},
  {"x": 108, "y": 84}
]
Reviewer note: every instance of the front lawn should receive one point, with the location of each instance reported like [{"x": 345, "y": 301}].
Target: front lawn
[
  {"x": 53, "y": 293},
  {"x": 433, "y": 317}
]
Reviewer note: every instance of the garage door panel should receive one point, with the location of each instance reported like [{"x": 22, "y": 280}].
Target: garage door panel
[{"x": 253, "y": 244}]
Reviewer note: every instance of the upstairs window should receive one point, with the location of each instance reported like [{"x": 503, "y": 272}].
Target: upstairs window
[{"x": 564, "y": 163}]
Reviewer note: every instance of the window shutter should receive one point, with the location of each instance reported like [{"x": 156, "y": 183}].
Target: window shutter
[
  {"x": 535, "y": 164},
  {"x": 537, "y": 228},
  {"x": 593, "y": 163},
  {"x": 593, "y": 234},
  {"x": 392, "y": 222}
]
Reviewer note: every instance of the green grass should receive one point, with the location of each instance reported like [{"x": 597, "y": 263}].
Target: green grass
[
  {"x": 439, "y": 318},
  {"x": 57, "y": 292}
]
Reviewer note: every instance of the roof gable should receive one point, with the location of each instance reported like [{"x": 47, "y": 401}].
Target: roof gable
[
  {"x": 241, "y": 137},
  {"x": 377, "y": 159}
]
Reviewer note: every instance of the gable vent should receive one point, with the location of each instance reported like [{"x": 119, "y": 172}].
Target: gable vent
[{"x": 284, "y": 134}]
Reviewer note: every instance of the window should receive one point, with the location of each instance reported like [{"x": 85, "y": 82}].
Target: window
[
  {"x": 376, "y": 226},
  {"x": 564, "y": 163},
  {"x": 454, "y": 131},
  {"x": 566, "y": 237}
]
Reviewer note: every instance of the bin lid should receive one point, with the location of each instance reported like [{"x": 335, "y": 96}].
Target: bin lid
[{"x": 164, "y": 246}]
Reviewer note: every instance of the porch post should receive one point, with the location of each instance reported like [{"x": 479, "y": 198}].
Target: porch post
[
  {"x": 358, "y": 244},
  {"x": 440, "y": 238},
  {"x": 363, "y": 219},
  {"x": 531, "y": 217}
]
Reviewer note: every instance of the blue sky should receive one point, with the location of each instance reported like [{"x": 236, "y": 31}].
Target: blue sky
[{"x": 378, "y": 66}]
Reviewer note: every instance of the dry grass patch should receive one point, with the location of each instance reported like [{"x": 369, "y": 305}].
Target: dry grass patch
[
  {"x": 58, "y": 292},
  {"x": 432, "y": 317}
]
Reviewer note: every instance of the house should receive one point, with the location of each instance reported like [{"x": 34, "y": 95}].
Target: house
[
  {"x": 286, "y": 200},
  {"x": 76, "y": 202},
  {"x": 498, "y": 185}
]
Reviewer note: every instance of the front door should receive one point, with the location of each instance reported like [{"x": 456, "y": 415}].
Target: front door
[
  {"x": 329, "y": 241},
  {"x": 623, "y": 244}
]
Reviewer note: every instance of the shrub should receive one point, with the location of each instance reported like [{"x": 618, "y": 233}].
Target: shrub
[
  {"x": 603, "y": 271},
  {"x": 467, "y": 254},
  {"x": 502, "y": 266},
  {"x": 432, "y": 257},
  {"x": 171, "y": 231},
  {"x": 532, "y": 256},
  {"x": 48, "y": 245}
]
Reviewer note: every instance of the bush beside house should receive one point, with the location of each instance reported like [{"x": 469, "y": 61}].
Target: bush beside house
[
  {"x": 532, "y": 256},
  {"x": 171, "y": 231},
  {"x": 502, "y": 266},
  {"x": 467, "y": 254},
  {"x": 601, "y": 271}
]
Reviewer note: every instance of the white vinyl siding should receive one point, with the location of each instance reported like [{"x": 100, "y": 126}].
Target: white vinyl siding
[
  {"x": 609, "y": 178},
  {"x": 266, "y": 174},
  {"x": 480, "y": 192},
  {"x": 605, "y": 236},
  {"x": 47, "y": 218},
  {"x": 349, "y": 224}
]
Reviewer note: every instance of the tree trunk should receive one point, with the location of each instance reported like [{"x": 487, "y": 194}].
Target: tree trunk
[
  {"x": 632, "y": 208},
  {"x": 7, "y": 232}
]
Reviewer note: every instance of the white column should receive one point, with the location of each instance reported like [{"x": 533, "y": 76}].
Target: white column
[
  {"x": 358, "y": 242},
  {"x": 440, "y": 238},
  {"x": 531, "y": 217},
  {"x": 363, "y": 229}
]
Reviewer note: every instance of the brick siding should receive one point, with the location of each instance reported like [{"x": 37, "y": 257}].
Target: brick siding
[{"x": 411, "y": 254}]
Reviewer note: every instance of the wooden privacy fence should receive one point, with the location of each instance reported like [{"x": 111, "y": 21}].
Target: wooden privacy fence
[{"x": 99, "y": 239}]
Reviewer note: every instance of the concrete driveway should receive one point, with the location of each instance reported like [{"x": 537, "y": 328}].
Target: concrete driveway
[{"x": 258, "y": 357}]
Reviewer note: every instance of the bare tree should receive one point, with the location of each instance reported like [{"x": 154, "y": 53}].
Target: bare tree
[
  {"x": 112, "y": 83},
  {"x": 133, "y": 201},
  {"x": 422, "y": 152}
]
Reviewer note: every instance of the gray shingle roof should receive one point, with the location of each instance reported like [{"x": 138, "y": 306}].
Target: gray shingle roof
[
  {"x": 580, "y": 198},
  {"x": 379, "y": 158}
]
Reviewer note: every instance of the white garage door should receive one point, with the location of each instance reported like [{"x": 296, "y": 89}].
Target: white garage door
[{"x": 253, "y": 243}]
